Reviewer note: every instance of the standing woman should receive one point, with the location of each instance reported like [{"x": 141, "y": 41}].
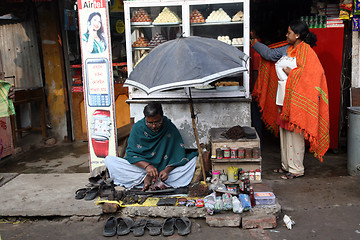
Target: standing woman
[
  {"x": 94, "y": 38},
  {"x": 305, "y": 110}
]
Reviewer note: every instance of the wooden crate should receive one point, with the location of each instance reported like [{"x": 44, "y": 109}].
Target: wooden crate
[{"x": 218, "y": 141}]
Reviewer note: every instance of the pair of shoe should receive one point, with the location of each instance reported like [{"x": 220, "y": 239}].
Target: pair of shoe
[
  {"x": 183, "y": 226},
  {"x": 87, "y": 193},
  {"x": 119, "y": 226}
]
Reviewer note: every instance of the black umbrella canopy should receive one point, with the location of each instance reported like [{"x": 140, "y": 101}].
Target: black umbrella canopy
[{"x": 186, "y": 62}]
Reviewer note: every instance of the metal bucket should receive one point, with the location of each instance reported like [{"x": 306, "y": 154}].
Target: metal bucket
[{"x": 353, "y": 143}]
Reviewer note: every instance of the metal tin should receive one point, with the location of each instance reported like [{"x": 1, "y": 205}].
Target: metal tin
[
  {"x": 226, "y": 152},
  {"x": 248, "y": 152},
  {"x": 241, "y": 153},
  {"x": 233, "y": 152},
  {"x": 219, "y": 153},
  {"x": 256, "y": 152}
]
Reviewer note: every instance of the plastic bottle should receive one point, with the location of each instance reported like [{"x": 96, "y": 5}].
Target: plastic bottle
[
  {"x": 252, "y": 196},
  {"x": 258, "y": 175},
  {"x": 251, "y": 175}
]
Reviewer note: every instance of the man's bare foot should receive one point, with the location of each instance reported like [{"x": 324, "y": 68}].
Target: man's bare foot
[{"x": 147, "y": 182}]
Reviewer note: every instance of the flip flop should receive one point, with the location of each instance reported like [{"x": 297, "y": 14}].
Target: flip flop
[
  {"x": 290, "y": 175},
  {"x": 138, "y": 228},
  {"x": 154, "y": 227},
  {"x": 110, "y": 227},
  {"x": 168, "y": 227},
  {"x": 124, "y": 225},
  {"x": 80, "y": 193},
  {"x": 91, "y": 193},
  {"x": 279, "y": 170},
  {"x": 183, "y": 226}
]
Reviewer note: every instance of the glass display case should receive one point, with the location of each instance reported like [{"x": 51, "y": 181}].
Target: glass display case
[{"x": 150, "y": 23}]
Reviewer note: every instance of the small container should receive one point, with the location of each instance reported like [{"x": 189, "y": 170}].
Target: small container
[
  {"x": 219, "y": 153},
  {"x": 257, "y": 175},
  {"x": 251, "y": 175},
  {"x": 248, "y": 153},
  {"x": 223, "y": 177},
  {"x": 256, "y": 152},
  {"x": 241, "y": 152},
  {"x": 215, "y": 175},
  {"x": 264, "y": 198},
  {"x": 232, "y": 188},
  {"x": 226, "y": 151},
  {"x": 232, "y": 174},
  {"x": 233, "y": 152}
]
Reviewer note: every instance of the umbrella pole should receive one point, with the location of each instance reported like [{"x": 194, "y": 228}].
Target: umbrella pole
[{"x": 196, "y": 136}]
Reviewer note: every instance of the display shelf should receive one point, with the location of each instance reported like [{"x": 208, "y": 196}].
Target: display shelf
[{"x": 183, "y": 8}]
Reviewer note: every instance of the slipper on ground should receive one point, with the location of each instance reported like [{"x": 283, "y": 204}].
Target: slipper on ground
[
  {"x": 124, "y": 225},
  {"x": 154, "y": 227},
  {"x": 279, "y": 170},
  {"x": 80, "y": 193},
  {"x": 91, "y": 193},
  {"x": 110, "y": 227},
  {"x": 290, "y": 175},
  {"x": 138, "y": 227},
  {"x": 168, "y": 227},
  {"x": 183, "y": 226}
]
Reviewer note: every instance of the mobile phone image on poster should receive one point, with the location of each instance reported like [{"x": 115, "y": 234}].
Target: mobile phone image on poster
[{"x": 98, "y": 83}]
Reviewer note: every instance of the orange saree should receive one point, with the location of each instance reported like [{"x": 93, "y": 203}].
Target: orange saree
[{"x": 306, "y": 105}]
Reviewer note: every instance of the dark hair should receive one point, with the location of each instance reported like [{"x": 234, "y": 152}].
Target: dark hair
[
  {"x": 153, "y": 109},
  {"x": 301, "y": 28},
  {"x": 99, "y": 32}
]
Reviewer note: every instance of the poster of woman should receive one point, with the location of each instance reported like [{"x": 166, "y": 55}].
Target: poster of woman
[{"x": 94, "y": 38}]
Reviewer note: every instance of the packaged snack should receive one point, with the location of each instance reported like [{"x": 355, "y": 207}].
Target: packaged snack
[
  {"x": 226, "y": 198},
  {"x": 237, "y": 207},
  {"x": 209, "y": 202},
  {"x": 219, "y": 204},
  {"x": 200, "y": 203},
  {"x": 356, "y": 23},
  {"x": 245, "y": 202}
]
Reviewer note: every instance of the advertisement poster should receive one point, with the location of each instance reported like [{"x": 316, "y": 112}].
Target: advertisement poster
[{"x": 98, "y": 79}]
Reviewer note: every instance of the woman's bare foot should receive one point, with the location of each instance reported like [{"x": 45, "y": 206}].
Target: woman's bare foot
[{"x": 147, "y": 182}]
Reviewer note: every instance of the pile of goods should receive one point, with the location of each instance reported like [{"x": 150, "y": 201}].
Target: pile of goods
[
  {"x": 157, "y": 40},
  {"x": 167, "y": 16},
  {"x": 140, "y": 16},
  {"x": 226, "y": 84},
  {"x": 196, "y": 17},
  {"x": 237, "y": 41},
  {"x": 225, "y": 39},
  {"x": 141, "y": 42},
  {"x": 218, "y": 16},
  {"x": 239, "y": 16}
]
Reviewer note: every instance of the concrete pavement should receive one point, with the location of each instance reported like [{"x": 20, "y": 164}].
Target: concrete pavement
[{"x": 324, "y": 204}]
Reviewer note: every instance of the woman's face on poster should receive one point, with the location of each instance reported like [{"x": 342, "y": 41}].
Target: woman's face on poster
[{"x": 95, "y": 22}]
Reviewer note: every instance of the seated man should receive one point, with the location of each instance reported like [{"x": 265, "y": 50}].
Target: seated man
[{"x": 155, "y": 151}]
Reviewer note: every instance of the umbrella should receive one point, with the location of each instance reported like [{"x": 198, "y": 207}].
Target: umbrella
[{"x": 187, "y": 62}]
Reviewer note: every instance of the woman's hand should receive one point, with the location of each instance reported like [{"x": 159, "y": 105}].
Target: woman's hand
[
  {"x": 152, "y": 171},
  {"x": 287, "y": 70},
  {"x": 11, "y": 94}
]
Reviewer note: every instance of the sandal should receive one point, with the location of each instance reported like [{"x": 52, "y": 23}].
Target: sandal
[
  {"x": 80, "y": 193},
  {"x": 279, "y": 170},
  {"x": 290, "y": 175}
]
